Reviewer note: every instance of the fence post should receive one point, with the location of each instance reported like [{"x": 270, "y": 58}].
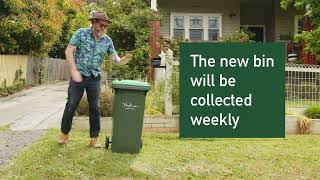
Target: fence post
[{"x": 168, "y": 82}]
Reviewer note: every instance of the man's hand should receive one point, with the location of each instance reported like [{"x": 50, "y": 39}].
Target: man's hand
[
  {"x": 125, "y": 59},
  {"x": 76, "y": 76}
]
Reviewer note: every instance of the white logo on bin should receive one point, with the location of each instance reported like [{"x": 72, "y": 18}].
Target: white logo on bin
[{"x": 129, "y": 106}]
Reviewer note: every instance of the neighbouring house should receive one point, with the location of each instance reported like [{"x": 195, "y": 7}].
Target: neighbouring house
[{"x": 208, "y": 20}]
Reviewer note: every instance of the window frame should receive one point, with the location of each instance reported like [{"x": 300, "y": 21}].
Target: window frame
[
  {"x": 202, "y": 27},
  {"x": 205, "y": 17},
  {"x": 173, "y": 27}
]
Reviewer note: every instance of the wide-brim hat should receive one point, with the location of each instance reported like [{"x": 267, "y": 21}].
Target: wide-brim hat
[{"x": 101, "y": 16}]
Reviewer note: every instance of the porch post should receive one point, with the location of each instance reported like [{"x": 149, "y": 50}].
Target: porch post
[
  {"x": 154, "y": 37},
  {"x": 154, "y": 5}
]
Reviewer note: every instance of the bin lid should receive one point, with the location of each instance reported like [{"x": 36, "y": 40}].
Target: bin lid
[{"x": 130, "y": 84}]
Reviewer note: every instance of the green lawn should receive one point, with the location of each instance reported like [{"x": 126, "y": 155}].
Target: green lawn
[
  {"x": 300, "y": 103},
  {"x": 5, "y": 128},
  {"x": 165, "y": 156}
]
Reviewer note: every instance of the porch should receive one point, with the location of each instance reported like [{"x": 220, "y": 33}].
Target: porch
[{"x": 209, "y": 20}]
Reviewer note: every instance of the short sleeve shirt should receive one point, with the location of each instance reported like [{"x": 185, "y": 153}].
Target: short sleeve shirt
[{"x": 90, "y": 52}]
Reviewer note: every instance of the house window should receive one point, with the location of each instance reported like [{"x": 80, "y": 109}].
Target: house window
[
  {"x": 195, "y": 26},
  {"x": 213, "y": 31},
  {"x": 178, "y": 29}
]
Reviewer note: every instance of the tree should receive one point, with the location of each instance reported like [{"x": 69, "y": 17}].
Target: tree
[
  {"x": 76, "y": 14},
  {"x": 312, "y": 9},
  {"x": 29, "y": 26}
]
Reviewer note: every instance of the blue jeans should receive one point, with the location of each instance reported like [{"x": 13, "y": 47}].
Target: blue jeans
[{"x": 75, "y": 91}]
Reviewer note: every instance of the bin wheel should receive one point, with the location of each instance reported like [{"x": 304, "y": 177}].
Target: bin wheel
[
  {"x": 141, "y": 144},
  {"x": 107, "y": 142}
]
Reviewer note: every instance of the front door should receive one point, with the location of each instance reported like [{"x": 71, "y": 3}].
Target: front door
[{"x": 258, "y": 31}]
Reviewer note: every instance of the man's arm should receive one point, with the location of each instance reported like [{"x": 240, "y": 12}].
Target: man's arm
[
  {"x": 114, "y": 56},
  {"x": 124, "y": 60},
  {"x": 75, "y": 74}
]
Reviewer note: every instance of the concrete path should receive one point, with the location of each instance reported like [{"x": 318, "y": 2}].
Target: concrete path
[{"x": 39, "y": 107}]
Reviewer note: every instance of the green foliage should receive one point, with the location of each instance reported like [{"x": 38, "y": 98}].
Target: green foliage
[
  {"x": 312, "y": 10},
  {"x": 40, "y": 71},
  {"x": 123, "y": 37},
  {"x": 106, "y": 99},
  {"x": 83, "y": 109},
  {"x": 312, "y": 40},
  {"x": 130, "y": 32},
  {"x": 75, "y": 16},
  {"x": 313, "y": 112},
  {"x": 105, "y": 104},
  {"x": 137, "y": 68},
  {"x": 18, "y": 75},
  {"x": 29, "y": 27},
  {"x": 40, "y": 28},
  {"x": 5, "y": 128},
  {"x": 154, "y": 104},
  {"x": 173, "y": 44},
  {"x": 243, "y": 35},
  {"x": 18, "y": 84},
  {"x": 175, "y": 86}
]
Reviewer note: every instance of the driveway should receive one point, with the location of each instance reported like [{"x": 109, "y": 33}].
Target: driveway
[{"x": 39, "y": 107}]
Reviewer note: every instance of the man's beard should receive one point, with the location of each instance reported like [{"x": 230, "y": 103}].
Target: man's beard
[{"x": 100, "y": 33}]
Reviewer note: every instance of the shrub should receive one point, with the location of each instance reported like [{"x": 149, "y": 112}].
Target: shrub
[
  {"x": 82, "y": 109},
  {"x": 175, "y": 85},
  {"x": 18, "y": 84},
  {"x": 105, "y": 105},
  {"x": 243, "y": 35},
  {"x": 313, "y": 112},
  {"x": 173, "y": 44},
  {"x": 304, "y": 125},
  {"x": 137, "y": 67},
  {"x": 29, "y": 27},
  {"x": 155, "y": 100},
  {"x": 106, "y": 99}
]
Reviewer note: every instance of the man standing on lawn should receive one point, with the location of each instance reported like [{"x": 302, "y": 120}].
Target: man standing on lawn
[{"x": 84, "y": 55}]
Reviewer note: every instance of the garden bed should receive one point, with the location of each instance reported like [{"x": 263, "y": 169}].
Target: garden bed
[
  {"x": 292, "y": 125},
  {"x": 160, "y": 123}
]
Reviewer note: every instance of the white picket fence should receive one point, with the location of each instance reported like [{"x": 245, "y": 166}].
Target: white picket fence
[{"x": 302, "y": 84}]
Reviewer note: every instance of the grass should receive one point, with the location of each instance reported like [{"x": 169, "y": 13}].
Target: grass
[
  {"x": 165, "y": 156},
  {"x": 5, "y": 128},
  {"x": 300, "y": 103},
  {"x": 288, "y": 112}
]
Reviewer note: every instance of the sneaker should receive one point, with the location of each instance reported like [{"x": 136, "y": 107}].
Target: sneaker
[
  {"x": 63, "y": 138},
  {"x": 94, "y": 142}
]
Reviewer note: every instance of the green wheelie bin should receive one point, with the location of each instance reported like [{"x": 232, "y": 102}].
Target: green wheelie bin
[{"x": 128, "y": 113}]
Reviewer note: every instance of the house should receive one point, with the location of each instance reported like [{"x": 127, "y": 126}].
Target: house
[{"x": 208, "y": 20}]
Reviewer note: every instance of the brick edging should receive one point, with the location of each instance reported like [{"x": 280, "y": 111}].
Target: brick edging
[{"x": 161, "y": 124}]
